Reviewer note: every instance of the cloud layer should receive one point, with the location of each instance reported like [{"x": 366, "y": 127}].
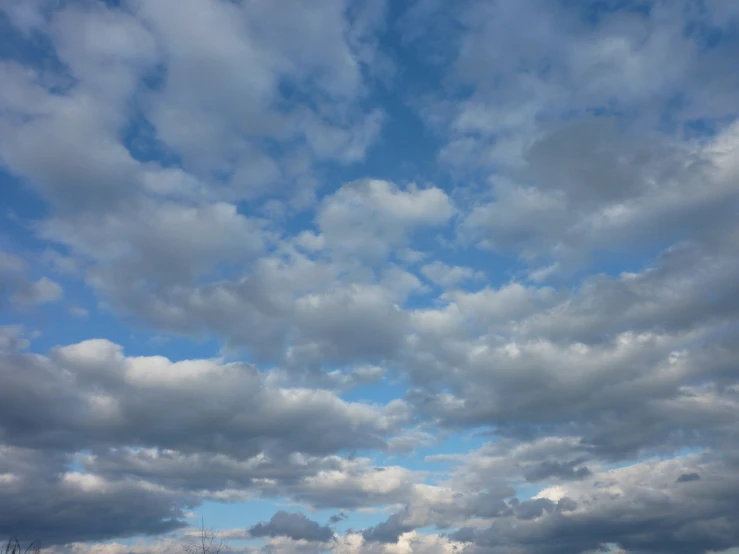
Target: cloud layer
[{"x": 368, "y": 278}]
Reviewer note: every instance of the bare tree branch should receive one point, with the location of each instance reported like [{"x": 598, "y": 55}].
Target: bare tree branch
[
  {"x": 13, "y": 546},
  {"x": 206, "y": 542}
]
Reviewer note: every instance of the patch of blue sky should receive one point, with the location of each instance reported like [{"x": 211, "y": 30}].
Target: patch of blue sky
[
  {"x": 527, "y": 491},
  {"x": 235, "y": 515},
  {"x": 27, "y": 48},
  {"x": 401, "y": 153},
  {"x": 379, "y": 393},
  {"x": 352, "y": 519},
  {"x": 438, "y": 458},
  {"x": 21, "y": 207},
  {"x": 593, "y": 11},
  {"x": 174, "y": 347},
  {"x": 615, "y": 262},
  {"x": 139, "y": 138},
  {"x": 135, "y": 338}
]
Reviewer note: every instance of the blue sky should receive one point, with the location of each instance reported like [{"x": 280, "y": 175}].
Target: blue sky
[{"x": 370, "y": 277}]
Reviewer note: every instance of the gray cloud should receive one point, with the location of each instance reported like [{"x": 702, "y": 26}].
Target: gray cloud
[
  {"x": 11, "y": 338},
  {"x": 559, "y": 470},
  {"x": 89, "y": 396},
  {"x": 502, "y": 112},
  {"x": 43, "y": 500},
  {"x": 326, "y": 482},
  {"x": 21, "y": 290},
  {"x": 532, "y": 509},
  {"x": 621, "y": 517},
  {"x": 41, "y": 291},
  {"x": 93, "y": 394},
  {"x": 293, "y": 525},
  {"x": 389, "y": 530},
  {"x": 602, "y": 194},
  {"x": 336, "y": 518}
]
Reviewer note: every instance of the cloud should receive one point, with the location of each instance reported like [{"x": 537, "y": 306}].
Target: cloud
[
  {"x": 42, "y": 291},
  {"x": 462, "y": 275},
  {"x": 78, "y": 311},
  {"x": 293, "y": 525},
  {"x": 336, "y": 518},
  {"x": 23, "y": 291},
  {"x": 94, "y": 379},
  {"x": 616, "y": 513},
  {"x": 596, "y": 58},
  {"x": 90, "y": 396},
  {"x": 369, "y": 218},
  {"x": 550, "y": 469},
  {"x": 449, "y": 276},
  {"x": 388, "y": 531},
  {"x": 57, "y": 505},
  {"x": 11, "y": 338},
  {"x": 164, "y": 242},
  {"x": 10, "y": 264},
  {"x": 255, "y": 49}
]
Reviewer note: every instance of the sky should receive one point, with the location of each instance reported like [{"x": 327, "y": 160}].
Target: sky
[{"x": 387, "y": 277}]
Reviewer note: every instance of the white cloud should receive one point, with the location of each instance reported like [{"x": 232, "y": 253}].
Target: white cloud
[
  {"x": 449, "y": 276},
  {"x": 369, "y": 218}
]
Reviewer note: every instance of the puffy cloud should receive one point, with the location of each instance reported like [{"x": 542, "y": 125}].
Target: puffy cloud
[
  {"x": 11, "y": 338},
  {"x": 252, "y": 51},
  {"x": 93, "y": 394},
  {"x": 328, "y": 482},
  {"x": 293, "y": 525},
  {"x": 449, "y": 276},
  {"x": 163, "y": 242},
  {"x": 370, "y": 218},
  {"x": 22, "y": 290},
  {"x": 615, "y": 507},
  {"x": 560, "y": 470},
  {"x": 591, "y": 186},
  {"x": 140, "y": 418},
  {"x": 42, "y": 291},
  {"x": 533, "y": 65},
  {"x": 610, "y": 506},
  {"x": 108, "y": 124},
  {"x": 54, "y": 504}
]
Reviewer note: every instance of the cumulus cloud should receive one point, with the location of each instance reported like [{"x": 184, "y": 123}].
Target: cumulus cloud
[
  {"x": 448, "y": 276},
  {"x": 293, "y": 525},
  {"x": 616, "y": 513},
  {"x": 11, "y": 338},
  {"x": 91, "y": 391},
  {"x": 607, "y": 189},
  {"x": 54, "y": 504},
  {"x": 37, "y": 292},
  {"x": 371, "y": 217}
]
